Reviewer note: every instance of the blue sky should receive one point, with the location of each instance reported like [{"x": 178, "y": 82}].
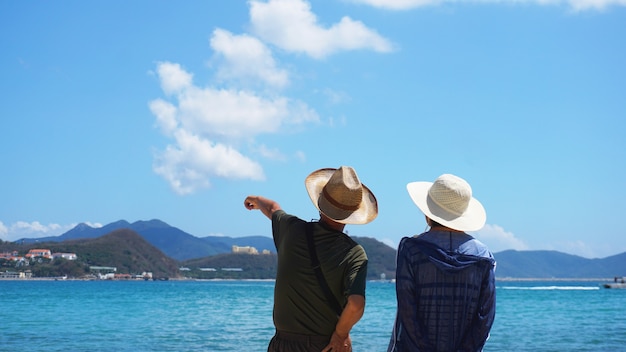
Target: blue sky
[{"x": 177, "y": 110}]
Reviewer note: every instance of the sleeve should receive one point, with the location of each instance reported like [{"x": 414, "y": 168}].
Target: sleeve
[
  {"x": 277, "y": 225},
  {"x": 357, "y": 277},
  {"x": 407, "y": 329},
  {"x": 485, "y": 316}
]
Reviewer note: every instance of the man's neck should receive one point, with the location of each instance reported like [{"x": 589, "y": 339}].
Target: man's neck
[{"x": 332, "y": 224}]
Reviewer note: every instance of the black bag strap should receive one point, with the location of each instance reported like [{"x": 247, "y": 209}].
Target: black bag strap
[{"x": 315, "y": 263}]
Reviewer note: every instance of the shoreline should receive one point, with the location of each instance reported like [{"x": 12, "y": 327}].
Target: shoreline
[
  {"x": 498, "y": 279},
  {"x": 133, "y": 280},
  {"x": 584, "y": 279}
]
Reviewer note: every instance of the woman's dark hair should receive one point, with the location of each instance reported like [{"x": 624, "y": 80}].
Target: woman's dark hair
[{"x": 433, "y": 223}]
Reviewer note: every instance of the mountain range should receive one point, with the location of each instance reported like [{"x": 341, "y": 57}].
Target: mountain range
[
  {"x": 172, "y": 241},
  {"x": 186, "y": 248}
]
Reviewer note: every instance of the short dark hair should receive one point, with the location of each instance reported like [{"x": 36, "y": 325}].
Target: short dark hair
[{"x": 433, "y": 223}]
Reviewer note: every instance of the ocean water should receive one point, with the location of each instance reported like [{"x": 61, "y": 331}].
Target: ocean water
[{"x": 237, "y": 316}]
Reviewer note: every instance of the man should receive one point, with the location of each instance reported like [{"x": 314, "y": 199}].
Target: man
[
  {"x": 445, "y": 278},
  {"x": 304, "y": 316}
]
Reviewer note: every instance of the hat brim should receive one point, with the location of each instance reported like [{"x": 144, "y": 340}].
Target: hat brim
[
  {"x": 365, "y": 213},
  {"x": 473, "y": 219}
]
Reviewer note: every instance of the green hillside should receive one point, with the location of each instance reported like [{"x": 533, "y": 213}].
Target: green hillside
[
  {"x": 263, "y": 266},
  {"x": 124, "y": 249},
  {"x": 381, "y": 258},
  {"x": 134, "y": 252}
]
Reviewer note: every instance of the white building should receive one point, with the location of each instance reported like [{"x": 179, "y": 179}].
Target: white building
[
  {"x": 245, "y": 250},
  {"x": 68, "y": 256}
]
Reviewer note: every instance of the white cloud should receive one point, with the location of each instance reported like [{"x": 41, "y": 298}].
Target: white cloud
[
  {"x": 300, "y": 155},
  {"x": 207, "y": 125},
  {"x": 581, "y": 5},
  {"x": 270, "y": 153},
  {"x": 35, "y": 229},
  {"x": 221, "y": 113},
  {"x": 173, "y": 77},
  {"x": 338, "y": 121},
  {"x": 192, "y": 161},
  {"x": 95, "y": 225},
  {"x": 590, "y": 249},
  {"x": 230, "y": 114},
  {"x": 165, "y": 113},
  {"x": 290, "y": 25},
  {"x": 246, "y": 58},
  {"x": 576, "y": 5},
  {"x": 335, "y": 97},
  {"x": 497, "y": 239},
  {"x": 576, "y": 247},
  {"x": 397, "y": 4},
  {"x": 34, "y": 226}
]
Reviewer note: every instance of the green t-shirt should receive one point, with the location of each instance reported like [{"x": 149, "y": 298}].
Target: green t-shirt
[{"x": 300, "y": 306}]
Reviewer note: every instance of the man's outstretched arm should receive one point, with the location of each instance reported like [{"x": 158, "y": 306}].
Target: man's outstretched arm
[{"x": 265, "y": 205}]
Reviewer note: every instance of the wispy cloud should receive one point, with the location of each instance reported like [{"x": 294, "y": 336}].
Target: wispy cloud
[
  {"x": 245, "y": 58},
  {"x": 270, "y": 153},
  {"x": 224, "y": 114},
  {"x": 3, "y": 229},
  {"x": 576, "y": 5},
  {"x": 497, "y": 239},
  {"x": 292, "y": 26},
  {"x": 583, "y": 5},
  {"x": 190, "y": 163},
  {"x": 208, "y": 124}
]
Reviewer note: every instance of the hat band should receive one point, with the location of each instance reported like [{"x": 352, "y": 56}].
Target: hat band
[{"x": 332, "y": 201}]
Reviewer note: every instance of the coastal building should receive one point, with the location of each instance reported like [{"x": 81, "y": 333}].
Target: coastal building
[
  {"x": 245, "y": 250},
  {"x": 68, "y": 256},
  {"x": 232, "y": 269},
  {"x": 122, "y": 276},
  {"x": 15, "y": 275},
  {"x": 103, "y": 269},
  {"x": 8, "y": 255},
  {"x": 39, "y": 253}
]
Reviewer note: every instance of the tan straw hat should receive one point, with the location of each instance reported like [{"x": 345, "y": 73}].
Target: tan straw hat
[
  {"x": 449, "y": 202},
  {"x": 339, "y": 194}
]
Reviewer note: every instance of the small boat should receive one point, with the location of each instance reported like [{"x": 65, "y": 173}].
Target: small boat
[{"x": 618, "y": 282}]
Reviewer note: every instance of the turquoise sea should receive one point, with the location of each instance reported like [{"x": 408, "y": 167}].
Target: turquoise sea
[{"x": 237, "y": 316}]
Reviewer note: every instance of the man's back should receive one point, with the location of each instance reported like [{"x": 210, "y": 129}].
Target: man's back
[{"x": 299, "y": 303}]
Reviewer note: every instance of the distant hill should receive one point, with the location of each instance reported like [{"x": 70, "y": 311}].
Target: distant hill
[
  {"x": 553, "y": 264},
  {"x": 172, "y": 241},
  {"x": 124, "y": 249},
  {"x": 184, "y": 247},
  {"x": 381, "y": 260}
]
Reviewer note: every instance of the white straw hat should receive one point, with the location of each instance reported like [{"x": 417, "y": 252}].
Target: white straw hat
[
  {"x": 449, "y": 202},
  {"x": 339, "y": 194}
]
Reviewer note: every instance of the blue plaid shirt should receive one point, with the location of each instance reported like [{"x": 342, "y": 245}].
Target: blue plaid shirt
[{"x": 445, "y": 287}]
